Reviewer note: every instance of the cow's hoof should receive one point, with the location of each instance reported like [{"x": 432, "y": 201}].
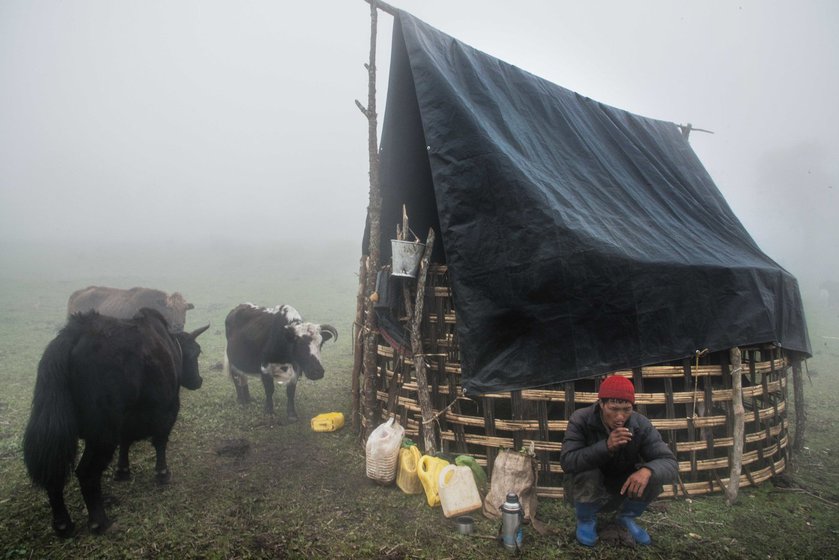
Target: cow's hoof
[
  {"x": 291, "y": 419},
  {"x": 163, "y": 477},
  {"x": 99, "y": 527},
  {"x": 64, "y": 528},
  {"x": 122, "y": 475}
]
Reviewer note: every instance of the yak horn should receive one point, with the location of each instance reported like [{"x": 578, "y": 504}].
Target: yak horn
[
  {"x": 331, "y": 330},
  {"x": 194, "y": 334}
]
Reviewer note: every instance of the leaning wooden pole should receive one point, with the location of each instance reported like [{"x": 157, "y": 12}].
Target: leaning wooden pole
[
  {"x": 423, "y": 393},
  {"x": 374, "y": 210},
  {"x": 739, "y": 426}
]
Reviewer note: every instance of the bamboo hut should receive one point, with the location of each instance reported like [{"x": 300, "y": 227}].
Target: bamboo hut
[{"x": 568, "y": 240}]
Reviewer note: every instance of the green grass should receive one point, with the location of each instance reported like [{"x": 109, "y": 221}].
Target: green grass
[{"x": 301, "y": 494}]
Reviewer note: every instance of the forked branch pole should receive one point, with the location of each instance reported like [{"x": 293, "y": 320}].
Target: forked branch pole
[{"x": 367, "y": 375}]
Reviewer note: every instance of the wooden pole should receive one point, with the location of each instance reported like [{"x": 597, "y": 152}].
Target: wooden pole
[
  {"x": 374, "y": 210},
  {"x": 423, "y": 392},
  {"x": 800, "y": 410},
  {"x": 358, "y": 345},
  {"x": 739, "y": 426},
  {"x": 387, "y": 8}
]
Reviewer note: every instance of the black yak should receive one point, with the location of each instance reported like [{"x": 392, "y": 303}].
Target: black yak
[{"x": 109, "y": 382}]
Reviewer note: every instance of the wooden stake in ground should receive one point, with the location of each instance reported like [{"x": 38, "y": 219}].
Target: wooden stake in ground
[
  {"x": 739, "y": 426},
  {"x": 800, "y": 411}
]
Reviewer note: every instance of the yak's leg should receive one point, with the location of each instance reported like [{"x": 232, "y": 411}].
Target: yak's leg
[
  {"x": 123, "y": 471},
  {"x": 61, "y": 522},
  {"x": 161, "y": 470},
  {"x": 89, "y": 472},
  {"x": 240, "y": 381},
  {"x": 268, "y": 384},
  {"x": 290, "y": 389}
]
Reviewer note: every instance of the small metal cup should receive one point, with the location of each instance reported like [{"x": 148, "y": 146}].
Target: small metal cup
[{"x": 465, "y": 524}]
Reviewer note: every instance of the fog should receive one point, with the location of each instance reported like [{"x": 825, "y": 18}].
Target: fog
[{"x": 164, "y": 122}]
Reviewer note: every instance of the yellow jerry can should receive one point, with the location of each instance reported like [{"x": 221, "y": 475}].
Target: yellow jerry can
[
  {"x": 428, "y": 471},
  {"x": 407, "y": 478},
  {"x": 328, "y": 422}
]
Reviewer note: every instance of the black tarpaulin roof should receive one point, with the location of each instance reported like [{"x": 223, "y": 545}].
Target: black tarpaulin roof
[{"x": 580, "y": 238}]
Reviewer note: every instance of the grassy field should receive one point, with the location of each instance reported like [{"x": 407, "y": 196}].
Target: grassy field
[{"x": 294, "y": 493}]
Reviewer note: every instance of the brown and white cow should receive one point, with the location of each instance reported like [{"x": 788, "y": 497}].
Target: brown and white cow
[
  {"x": 275, "y": 344},
  {"x": 124, "y": 304}
]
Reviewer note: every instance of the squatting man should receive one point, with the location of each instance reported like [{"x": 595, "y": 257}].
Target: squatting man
[{"x": 615, "y": 459}]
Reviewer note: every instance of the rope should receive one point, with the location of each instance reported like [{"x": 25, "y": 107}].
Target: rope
[
  {"x": 435, "y": 416},
  {"x": 699, "y": 353}
]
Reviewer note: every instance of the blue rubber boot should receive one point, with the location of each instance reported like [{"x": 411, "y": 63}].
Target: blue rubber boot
[
  {"x": 626, "y": 517},
  {"x": 586, "y": 522}
]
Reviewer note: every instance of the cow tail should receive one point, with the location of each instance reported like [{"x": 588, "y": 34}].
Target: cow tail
[{"x": 50, "y": 442}]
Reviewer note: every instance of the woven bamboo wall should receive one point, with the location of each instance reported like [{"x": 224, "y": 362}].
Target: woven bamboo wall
[{"x": 689, "y": 402}]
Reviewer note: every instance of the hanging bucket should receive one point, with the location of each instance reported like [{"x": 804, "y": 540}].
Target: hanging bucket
[{"x": 406, "y": 257}]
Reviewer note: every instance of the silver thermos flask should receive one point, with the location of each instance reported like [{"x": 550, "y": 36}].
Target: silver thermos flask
[{"x": 511, "y": 521}]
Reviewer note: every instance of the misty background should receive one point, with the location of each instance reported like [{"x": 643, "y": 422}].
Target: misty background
[{"x": 233, "y": 123}]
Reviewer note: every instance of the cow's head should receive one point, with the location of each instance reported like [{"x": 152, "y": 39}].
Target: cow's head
[
  {"x": 190, "y": 350},
  {"x": 176, "y": 307},
  {"x": 306, "y": 340}
]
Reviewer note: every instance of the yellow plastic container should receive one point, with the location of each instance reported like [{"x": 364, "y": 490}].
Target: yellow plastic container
[
  {"x": 458, "y": 491},
  {"x": 328, "y": 422},
  {"x": 428, "y": 471},
  {"x": 406, "y": 473}
]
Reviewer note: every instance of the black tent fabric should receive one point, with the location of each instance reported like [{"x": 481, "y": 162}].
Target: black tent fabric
[{"x": 580, "y": 238}]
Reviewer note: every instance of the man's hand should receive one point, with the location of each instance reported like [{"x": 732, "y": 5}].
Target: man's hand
[
  {"x": 618, "y": 438},
  {"x": 636, "y": 483}
]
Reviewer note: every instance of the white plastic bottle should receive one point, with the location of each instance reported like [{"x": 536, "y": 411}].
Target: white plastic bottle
[{"x": 382, "y": 451}]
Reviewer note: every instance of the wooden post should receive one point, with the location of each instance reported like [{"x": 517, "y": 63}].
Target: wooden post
[
  {"x": 423, "y": 394},
  {"x": 358, "y": 345},
  {"x": 374, "y": 211},
  {"x": 800, "y": 410},
  {"x": 739, "y": 428},
  {"x": 387, "y": 8}
]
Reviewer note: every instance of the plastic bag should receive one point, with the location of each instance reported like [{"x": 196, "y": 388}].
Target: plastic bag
[{"x": 512, "y": 472}]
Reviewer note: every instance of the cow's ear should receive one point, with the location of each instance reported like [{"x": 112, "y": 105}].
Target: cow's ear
[
  {"x": 189, "y": 306},
  {"x": 289, "y": 333}
]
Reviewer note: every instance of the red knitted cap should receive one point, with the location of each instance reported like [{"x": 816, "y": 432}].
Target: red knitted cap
[{"x": 617, "y": 387}]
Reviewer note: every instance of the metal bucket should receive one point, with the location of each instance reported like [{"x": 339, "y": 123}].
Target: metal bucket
[{"x": 406, "y": 257}]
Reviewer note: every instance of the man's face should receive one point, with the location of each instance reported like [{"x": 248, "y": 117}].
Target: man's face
[{"x": 615, "y": 413}]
